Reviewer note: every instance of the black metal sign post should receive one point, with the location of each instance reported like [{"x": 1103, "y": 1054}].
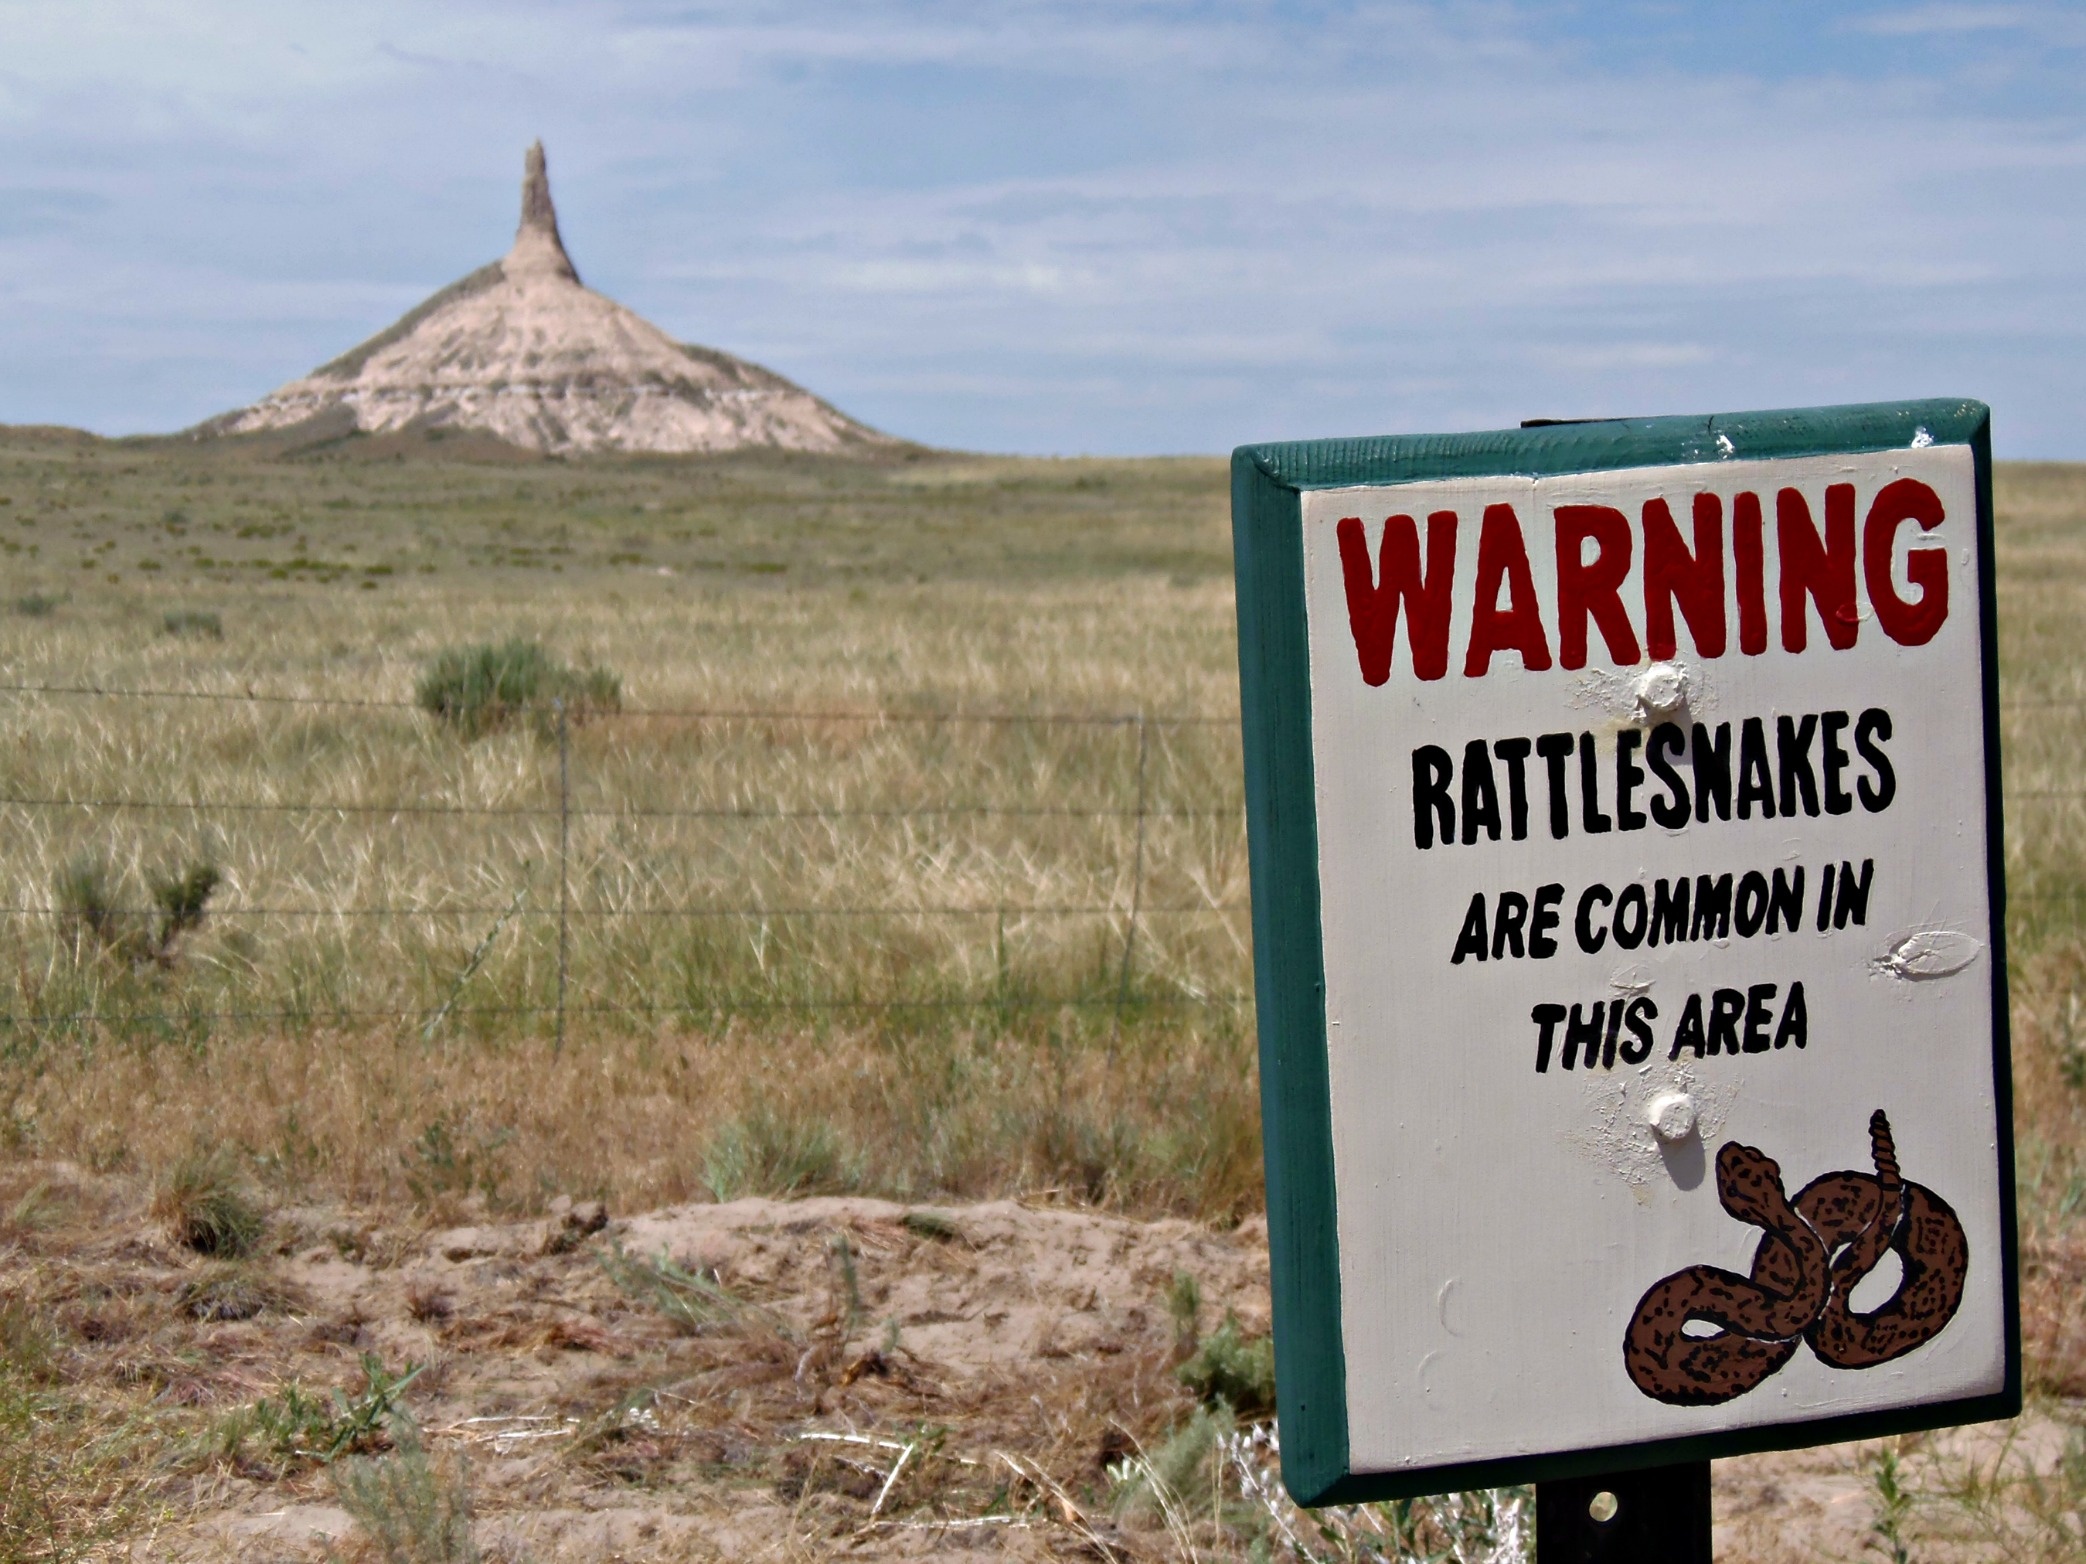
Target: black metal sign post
[{"x": 1656, "y": 1516}]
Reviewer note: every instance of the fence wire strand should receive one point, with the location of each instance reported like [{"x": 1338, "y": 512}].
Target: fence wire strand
[
  {"x": 689, "y": 713},
  {"x": 570, "y": 909}
]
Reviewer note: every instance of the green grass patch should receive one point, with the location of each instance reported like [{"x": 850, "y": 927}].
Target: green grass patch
[{"x": 487, "y": 686}]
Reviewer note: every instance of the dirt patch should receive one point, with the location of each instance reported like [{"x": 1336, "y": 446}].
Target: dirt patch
[
  {"x": 763, "y": 1378},
  {"x": 976, "y": 1342}
]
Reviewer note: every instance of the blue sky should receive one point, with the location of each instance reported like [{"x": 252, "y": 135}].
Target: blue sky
[{"x": 1053, "y": 227}]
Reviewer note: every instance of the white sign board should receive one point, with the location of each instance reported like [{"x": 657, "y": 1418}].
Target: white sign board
[{"x": 1660, "y": 1035}]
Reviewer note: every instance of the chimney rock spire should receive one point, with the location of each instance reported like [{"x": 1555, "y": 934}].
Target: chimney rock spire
[
  {"x": 520, "y": 352},
  {"x": 538, "y": 250}
]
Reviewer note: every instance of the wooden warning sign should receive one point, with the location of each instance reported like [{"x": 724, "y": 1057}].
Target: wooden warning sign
[{"x": 1627, "y": 916}]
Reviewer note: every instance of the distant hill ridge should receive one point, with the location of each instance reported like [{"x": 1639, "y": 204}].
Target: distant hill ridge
[{"x": 523, "y": 351}]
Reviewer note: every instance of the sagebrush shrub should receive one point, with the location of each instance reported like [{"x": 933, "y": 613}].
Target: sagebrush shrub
[
  {"x": 199, "y": 622},
  {"x": 1234, "y": 1368},
  {"x": 92, "y": 917},
  {"x": 89, "y": 910},
  {"x": 487, "y": 686},
  {"x": 412, "y": 1509}
]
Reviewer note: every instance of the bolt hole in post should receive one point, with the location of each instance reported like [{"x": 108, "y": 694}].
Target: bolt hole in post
[{"x": 1658, "y": 1516}]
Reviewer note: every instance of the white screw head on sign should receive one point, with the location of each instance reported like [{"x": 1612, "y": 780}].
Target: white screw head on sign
[
  {"x": 1671, "y": 1115},
  {"x": 1662, "y": 690}
]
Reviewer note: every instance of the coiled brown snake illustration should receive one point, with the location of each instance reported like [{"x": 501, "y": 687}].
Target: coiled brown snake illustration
[{"x": 1815, "y": 1251}]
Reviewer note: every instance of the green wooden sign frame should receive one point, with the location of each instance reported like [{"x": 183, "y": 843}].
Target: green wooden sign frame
[{"x": 1275, "y": 689}]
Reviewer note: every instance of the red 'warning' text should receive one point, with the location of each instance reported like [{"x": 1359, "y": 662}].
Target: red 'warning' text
[{"x": 1696, "y": 582}]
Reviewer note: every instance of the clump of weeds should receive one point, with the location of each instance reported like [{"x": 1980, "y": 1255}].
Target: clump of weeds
[
  {"x": 1233, "y": 1368},
  {"x": 229, "y": 1292},
  {"x": 768, "y": 1152},
  {"x": 1184, "y": 1308},
  {"x": 206, "y": 1207},
  {"x": 296, "y": 1427},
  {"x": 488, "y": 686},
  {"x": 694, "y": 1303},
  {"x": 1894, "y": 1500},
  {"x": 413, "y": 1509},
  {"x": 446, "y": 1161},
  {"x": 68, "y": 1479},
  {"x": 194, "y": 623},
  {"x": 94, "y": 920}
]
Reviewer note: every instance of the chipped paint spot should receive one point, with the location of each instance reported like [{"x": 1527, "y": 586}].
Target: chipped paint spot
[
  {"x": 1616, "y": 1131},
  {"x": 1639, "y": 697},
  {"x": 1926, "y": 954},
  {"x": 1630, "y": 981}
]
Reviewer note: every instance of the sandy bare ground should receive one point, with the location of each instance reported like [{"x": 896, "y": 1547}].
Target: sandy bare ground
[{"x": 998, "y": 1357}]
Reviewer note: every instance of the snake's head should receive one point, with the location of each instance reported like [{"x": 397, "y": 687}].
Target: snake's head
[
  {"x": 1736, "y": 1161},
  {"x": 1749, "y": 1181}
]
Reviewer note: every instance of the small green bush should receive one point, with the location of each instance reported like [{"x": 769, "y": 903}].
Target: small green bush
[
  {"x": 1174, "y": 1481},
  {"x": 198, "y": 622},
  {"x": 89, "y": 910},
  {"x": 934, "y": 1226},
  {"x": 693, "y": 1303},
  {"x": 448, "y": 1160},
  {"x": 1184, "y": 1304},
  {"x": 181, "y": 899},
  {"x": 37, "y": 605},
  {"x": 764, "y": 1152},
  {"x": 89, "y": 896},
  {"x": 1234, "y": 1368},
  {"x": 482, "y": 688},
  {"x": 295, "y": 1427},
  {"x": 412, "y": 1510}
]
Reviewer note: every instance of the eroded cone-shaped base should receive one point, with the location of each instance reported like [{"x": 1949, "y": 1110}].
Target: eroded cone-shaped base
[{"x": 520, "y": 350}]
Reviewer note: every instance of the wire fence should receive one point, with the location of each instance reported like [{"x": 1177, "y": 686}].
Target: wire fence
[
  {"x": 1129, "y": 825},
  {"x": 1101, "y": 846}
]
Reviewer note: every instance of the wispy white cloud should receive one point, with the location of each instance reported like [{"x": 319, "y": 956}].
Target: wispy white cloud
[
  {"x": 1052, "y": 225},
  {"x": 2043, "y": 22}
]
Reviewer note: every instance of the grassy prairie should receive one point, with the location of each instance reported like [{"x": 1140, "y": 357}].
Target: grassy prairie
[
  {"x": 827, "y": 930},
  {"x": 927, "y": 918},
  {"x": 916, "y": 922},
  {"x": 923, "y": 922}
]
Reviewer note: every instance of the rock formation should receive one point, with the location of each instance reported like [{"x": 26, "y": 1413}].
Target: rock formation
[{"x": 523, "y": 351}]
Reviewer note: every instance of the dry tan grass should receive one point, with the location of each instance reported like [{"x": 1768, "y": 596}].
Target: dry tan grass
[
  {"x": 917, "y": 928},
  {"x": 973, "y": 1031},
  {"x": 2042, "y": 594},
  {"x": 1169, "y": 1123},
  {"x": 991, "y": 853}
]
